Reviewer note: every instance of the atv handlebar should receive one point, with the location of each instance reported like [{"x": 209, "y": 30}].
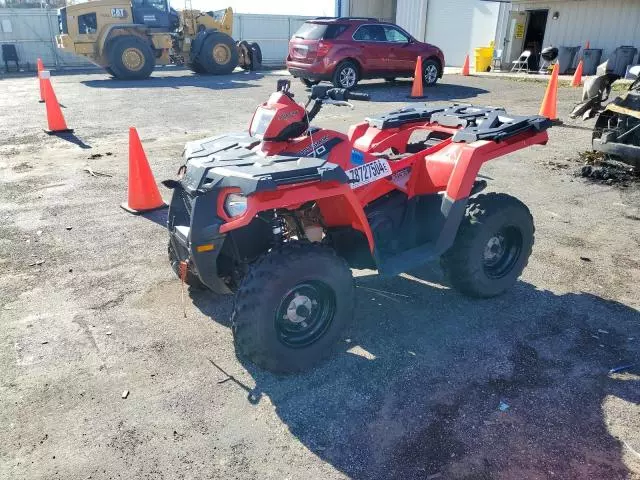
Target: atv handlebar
[
  {"x": 324, "y": 92},
  {"x": 364, "y": 97}
]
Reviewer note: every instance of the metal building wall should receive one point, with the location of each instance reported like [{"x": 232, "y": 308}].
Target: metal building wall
[
  {"x": 606, "y": 24},
  {"x": 272, "y": 32},
  {"x": 412, "y": 16},
  {"x": 32, "y": 31}
]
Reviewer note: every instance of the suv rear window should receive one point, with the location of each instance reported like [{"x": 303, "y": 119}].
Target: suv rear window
[{"x": 318, "y": 31}]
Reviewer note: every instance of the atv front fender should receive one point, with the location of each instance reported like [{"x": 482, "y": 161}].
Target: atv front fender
[{"x": 337, "y": 202}]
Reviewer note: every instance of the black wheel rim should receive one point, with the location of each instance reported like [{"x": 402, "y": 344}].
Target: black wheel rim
[
  {"x": 305, "y": 314},
  {"x": 501, "y": 252}
]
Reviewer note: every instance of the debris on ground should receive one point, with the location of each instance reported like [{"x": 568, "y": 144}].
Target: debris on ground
[
  {"x": 93, "y": 156},
  {"x": 585, "y": 259},
  {"x": 503, "y": 406},
  {"x": 621, "y": 368},
  {"x": 125, "y": 394},
  {"x": 601, "y": 168},
  {"x": 93, "y": 173},
  {"x": 37, "y": 263},
  {"x": 22, "y": 167}
]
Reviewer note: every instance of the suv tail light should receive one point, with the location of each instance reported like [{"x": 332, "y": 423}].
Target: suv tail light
[{"x": 323, "y": 48}]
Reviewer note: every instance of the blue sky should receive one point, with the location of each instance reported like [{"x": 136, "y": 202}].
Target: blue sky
[{"x": 281, "y": 7}]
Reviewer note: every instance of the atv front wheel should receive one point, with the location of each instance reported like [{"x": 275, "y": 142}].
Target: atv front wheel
[
  {"x": 292, "y": 306},
  {"x": 492, "y": 246}
]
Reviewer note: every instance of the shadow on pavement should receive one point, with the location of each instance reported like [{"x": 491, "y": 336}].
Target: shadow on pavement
[
  {"x": 399, "y": 91},
  {"x": 72, "y": 138},
  {"x": 214, "y": 82},
  {"x": 430, "y": 383}
]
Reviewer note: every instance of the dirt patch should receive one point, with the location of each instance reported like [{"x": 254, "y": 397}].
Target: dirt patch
[{"x": 600, "y": 168}]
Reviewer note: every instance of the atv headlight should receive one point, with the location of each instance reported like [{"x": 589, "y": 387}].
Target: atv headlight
[{"x": 235, "y": 204}]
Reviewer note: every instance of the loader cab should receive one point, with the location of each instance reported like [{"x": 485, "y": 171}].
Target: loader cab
[{"x": 155, "y": 14}]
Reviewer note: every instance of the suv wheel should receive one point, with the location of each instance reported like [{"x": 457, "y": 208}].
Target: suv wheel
[
  {"x": 346, "y": 75},
  {"x": 430, "y": 71}
]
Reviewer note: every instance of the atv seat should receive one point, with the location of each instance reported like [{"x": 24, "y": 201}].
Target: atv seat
[{"x": 403, "y": 116}]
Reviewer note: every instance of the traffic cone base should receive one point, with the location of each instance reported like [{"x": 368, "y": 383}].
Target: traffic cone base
[
  {"x": 125, "y": 206},
  {"x": 465, "y": 67},
  {"x": 55, "y": 119},
  {"x": 416, "y": 87},
  {"x": 143, "y": 194}
]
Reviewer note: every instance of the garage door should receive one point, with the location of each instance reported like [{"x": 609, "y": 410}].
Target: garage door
[{"x": 459, "y": 26}]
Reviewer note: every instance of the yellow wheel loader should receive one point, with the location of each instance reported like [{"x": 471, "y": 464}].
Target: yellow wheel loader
[{"x": 129, "y": 39}]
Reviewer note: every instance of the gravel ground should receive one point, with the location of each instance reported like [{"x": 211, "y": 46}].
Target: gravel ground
[{"x": 90, "y": 309}]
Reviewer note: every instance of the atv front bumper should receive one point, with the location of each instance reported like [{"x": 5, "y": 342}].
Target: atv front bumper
[{"x": 195, "y": 236}]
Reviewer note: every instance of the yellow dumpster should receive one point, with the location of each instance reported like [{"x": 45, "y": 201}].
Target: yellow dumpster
[{"x": 484, "y": 55}]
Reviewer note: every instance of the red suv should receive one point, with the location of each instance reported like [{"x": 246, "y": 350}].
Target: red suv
[{"x": 347, "y": 49}]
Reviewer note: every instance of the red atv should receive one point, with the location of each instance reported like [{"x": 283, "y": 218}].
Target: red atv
[{"x": 278, "y": 216}]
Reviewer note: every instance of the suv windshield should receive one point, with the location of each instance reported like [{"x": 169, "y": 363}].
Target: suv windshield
[{"x": 318, "y": 31}]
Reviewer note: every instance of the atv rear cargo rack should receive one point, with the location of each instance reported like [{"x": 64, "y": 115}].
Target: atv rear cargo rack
[{"x": 476, "y": 123}]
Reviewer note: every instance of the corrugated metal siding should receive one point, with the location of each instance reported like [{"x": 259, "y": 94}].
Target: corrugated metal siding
[
  {"x": 272, "y": 32},
  {"x": 412, "y": 16},
  {"x": 460, "y": 26},
  {"x": 606, "y": 24},
  {"x": 32, "y": 31}
]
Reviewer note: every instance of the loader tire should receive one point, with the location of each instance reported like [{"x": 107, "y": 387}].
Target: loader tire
[
  {"x": 195, "y": 67},
  {"x": 292, "y": 306},
  {"x": 492, "y": 247},
  {"x": 219, "y": 54},
  {"x": 130, "y": 58}
]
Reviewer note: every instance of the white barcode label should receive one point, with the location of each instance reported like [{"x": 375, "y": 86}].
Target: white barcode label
[{"x": 368, "y": 172}]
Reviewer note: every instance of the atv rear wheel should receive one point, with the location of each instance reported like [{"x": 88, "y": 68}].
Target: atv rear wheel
[
  {"x": 219, "y": 54},
  {"x": 292, "y": 306},
  {"x": 130, "y": 58},
  {"x": 492, "y": 246}
]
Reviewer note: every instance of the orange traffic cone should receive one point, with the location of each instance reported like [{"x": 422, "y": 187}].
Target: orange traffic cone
[
  {"x": 143, "y": 194},
  {"x": 416, "y": 88},
  {"x": 55, "y": 119},
  {"x": 577, "y": 77},
  {"x": 40, "y": 69},
  {"x": 465, "y": 66},
  {"x": 549, "y": 107}
]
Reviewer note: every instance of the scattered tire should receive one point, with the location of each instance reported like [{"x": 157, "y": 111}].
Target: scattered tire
[
  {"x": 219, "y": 54},
  {"x": 244, "y": 55},
  {"x": 346, "y": 75},
  {"x": 430, "y": 72},
  {"x": 309, "y": 83},
  {"x": 190, "y": 279},
  {"x": 130, "y": 58},
  {"x": 492, "y": 246},
  {"x": 292, "y": 306},
  {"x": 256, "y": 57}
]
